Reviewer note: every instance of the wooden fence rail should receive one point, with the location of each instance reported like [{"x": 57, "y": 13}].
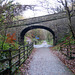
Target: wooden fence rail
[
  {"x": 68, "y": 49},
  {"x": 14, "y": 58}
]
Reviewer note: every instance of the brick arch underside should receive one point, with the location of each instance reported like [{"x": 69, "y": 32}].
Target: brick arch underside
[{"x": 24, "y": 31}]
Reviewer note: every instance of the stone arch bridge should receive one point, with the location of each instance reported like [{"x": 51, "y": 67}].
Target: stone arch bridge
[{"x": 57, "y": 24}]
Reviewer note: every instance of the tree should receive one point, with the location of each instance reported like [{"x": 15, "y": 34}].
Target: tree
[
  {"x": 47, "y": 5},
  {"x": 69, "y": 12},
  {"x": 8, "y": 10},
  {"x": 33, "y": 33}
]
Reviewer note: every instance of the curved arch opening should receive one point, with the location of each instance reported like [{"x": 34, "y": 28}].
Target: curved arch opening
[{"x": 24, "y": 31}]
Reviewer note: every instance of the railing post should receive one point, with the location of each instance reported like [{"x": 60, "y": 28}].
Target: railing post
[
  {"x": 19, "y": 56},
  {"x": 24, "y": 51},
  {"x": 32, "y": 45},
  {"x": 70, "y": 50},
  {"x": 27, "y": 50},
  {"x": 61, "y": 48},
  {"x": 67, "y": 52},
  {"x": 10, "y": 68}
]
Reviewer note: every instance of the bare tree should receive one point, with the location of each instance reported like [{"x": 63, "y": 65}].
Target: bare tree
[
  {"x": 47, "y": 5},
  {"x": 69, "y": 12}
]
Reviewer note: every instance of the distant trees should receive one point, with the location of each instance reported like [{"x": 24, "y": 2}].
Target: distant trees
[
  {"x": 69, "y": 6},
  {"x": 35, "y": 32},
  {"x": 41, "y": 33}
]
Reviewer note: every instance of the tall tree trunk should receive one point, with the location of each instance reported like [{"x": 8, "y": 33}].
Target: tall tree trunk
[
  {"x": 70, "y": 22},
  {"x": 71, "y": 29}
]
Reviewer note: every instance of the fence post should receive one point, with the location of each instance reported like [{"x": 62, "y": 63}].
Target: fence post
[
  {"x": 27, "y": 49},
  {"x": 19, "y": 56},
  {"x": 10, "y": 61},
  {"x": 32, "y": 45},
  {"x": 24, "y": 51},
  {"x": 61, "y": 48},
  {"x": 70, "y": 50},
  {"x": 30, "y": 48},
  {"x": 67, "y": 52}
]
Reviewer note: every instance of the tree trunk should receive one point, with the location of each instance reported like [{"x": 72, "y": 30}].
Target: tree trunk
[{"x": 70, "y": 24}]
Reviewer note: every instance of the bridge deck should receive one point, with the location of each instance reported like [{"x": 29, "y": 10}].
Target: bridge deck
[{"x": 36, "y": 20}]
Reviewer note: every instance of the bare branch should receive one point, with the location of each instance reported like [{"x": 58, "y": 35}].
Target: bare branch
[
  {"x": 61, "y": 1},
  {"x": 71, "y": 14}
]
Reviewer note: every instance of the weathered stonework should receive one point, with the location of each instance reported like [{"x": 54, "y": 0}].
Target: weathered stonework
[{"x": 57, "y": 24}]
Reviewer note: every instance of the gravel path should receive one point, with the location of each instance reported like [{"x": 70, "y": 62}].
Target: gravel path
[{"x": 46, "y": 63}]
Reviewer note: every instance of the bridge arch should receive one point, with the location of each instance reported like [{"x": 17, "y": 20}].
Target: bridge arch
[{"x": 24, "y": 31}]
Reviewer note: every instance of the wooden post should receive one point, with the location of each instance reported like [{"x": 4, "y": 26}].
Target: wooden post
[
  {"x": 31, "y": 48},
  {"x": 19, "y": 56},
  {"x": 10, "y": 61},
  {"x": 27, "y": 50},
  {"x": 67, "y": 52},
  {"x": 32, "y": 45},
  {"x": 70, "y": 50},
  {"x": 60, "y": 48},
  {"x": 24, "y": 51}
]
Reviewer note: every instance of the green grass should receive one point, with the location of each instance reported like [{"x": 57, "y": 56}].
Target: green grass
[
  {"x": 64, "y": 41},
  {"x": 50, "y": 42},
  {"x": 57, "y": 47},
  {"x": 39, "y": 42}
]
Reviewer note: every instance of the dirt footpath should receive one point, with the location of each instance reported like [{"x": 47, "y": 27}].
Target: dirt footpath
[{"x": 43, "y": 62}]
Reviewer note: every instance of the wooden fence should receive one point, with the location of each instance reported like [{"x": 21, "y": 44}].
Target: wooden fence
[
  {"x": 15, "y": 58},
  {"x": 68, "y": 49}
]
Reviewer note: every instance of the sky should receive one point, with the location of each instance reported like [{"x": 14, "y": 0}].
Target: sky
[{"x": 41, "y": 11}]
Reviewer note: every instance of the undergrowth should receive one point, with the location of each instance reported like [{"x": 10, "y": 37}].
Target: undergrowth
[{"x": 64, "y": 41}]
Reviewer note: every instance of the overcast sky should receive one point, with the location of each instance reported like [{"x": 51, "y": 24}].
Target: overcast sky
[{"x": 41, "y": 11}]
